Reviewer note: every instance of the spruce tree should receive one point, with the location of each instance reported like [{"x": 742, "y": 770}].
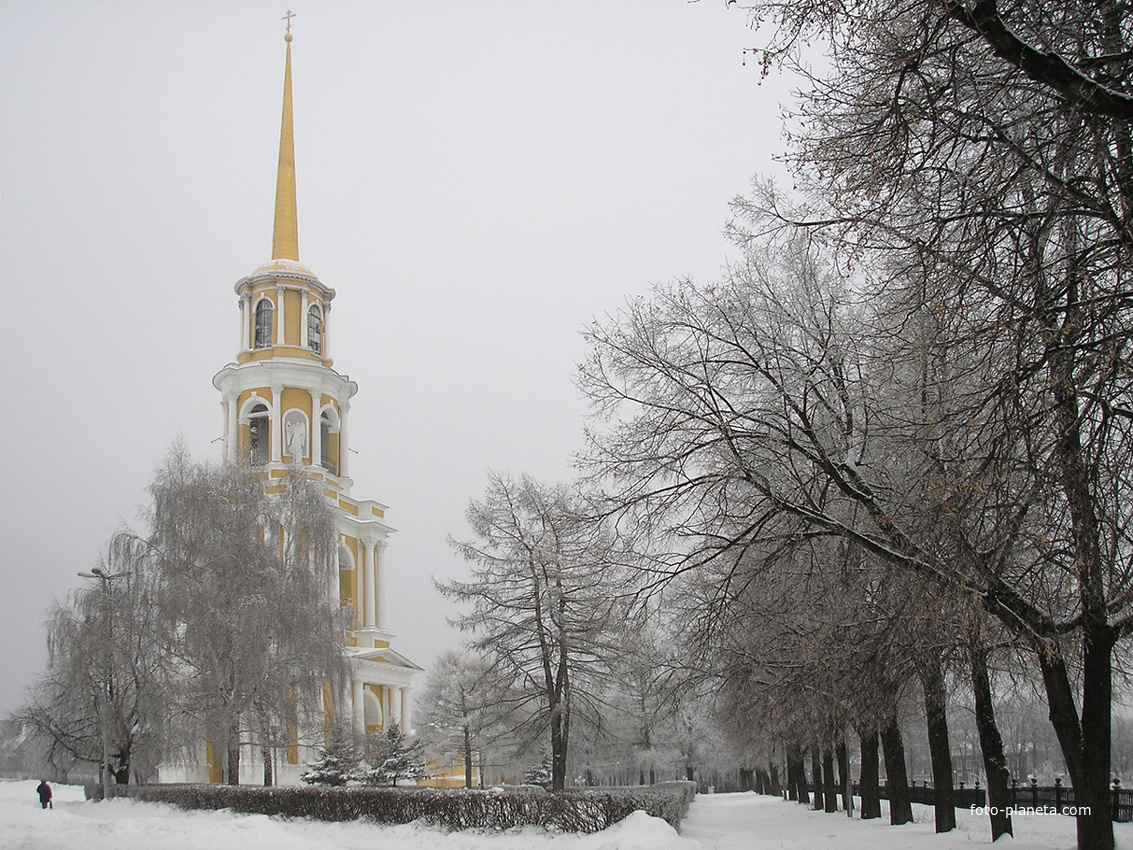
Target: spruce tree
[
  {"x": 394, "y": 756},
  {"x": 337, "y": 763}
]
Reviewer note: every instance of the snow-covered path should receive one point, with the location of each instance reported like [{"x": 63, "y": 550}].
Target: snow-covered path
[
  {"x": 751, "y": 822},
  {"x": 715, "y": 822}
]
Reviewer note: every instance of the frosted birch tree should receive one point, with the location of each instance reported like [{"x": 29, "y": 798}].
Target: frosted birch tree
[{"x": 247, "y": 618}]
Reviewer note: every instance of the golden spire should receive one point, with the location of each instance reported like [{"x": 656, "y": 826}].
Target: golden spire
[{"x": 285, "y": 236}]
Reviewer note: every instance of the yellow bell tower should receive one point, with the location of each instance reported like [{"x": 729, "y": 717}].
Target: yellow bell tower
[{"x": 285, "y": 404}]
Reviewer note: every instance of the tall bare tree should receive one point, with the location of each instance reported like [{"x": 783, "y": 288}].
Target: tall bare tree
[
  {"x": 457, "y": 710},
  {"x": 103, "y": 698},
  {"x": 543, "y": 602},
  {"x": 731, "y": 407},
  {"x": 984, "y": 149}
]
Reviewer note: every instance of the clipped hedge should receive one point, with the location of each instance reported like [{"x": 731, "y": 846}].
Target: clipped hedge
[{"x": 588, "y": 810}]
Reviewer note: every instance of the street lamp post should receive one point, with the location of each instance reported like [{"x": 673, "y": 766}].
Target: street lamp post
[{"x": 104, "y": 769}]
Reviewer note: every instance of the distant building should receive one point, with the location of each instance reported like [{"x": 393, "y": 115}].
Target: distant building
[{"x": 284, "y": 403}]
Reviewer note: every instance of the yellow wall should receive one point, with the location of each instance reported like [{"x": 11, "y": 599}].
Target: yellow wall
[
  {"x": 292, "y": 307},
  {"x": 216, "y": 769},
  {"x": 348, "y": 584},
  {"x": 348, "y": 590}
]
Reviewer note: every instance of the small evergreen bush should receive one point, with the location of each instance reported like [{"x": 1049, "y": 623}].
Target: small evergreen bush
[
  {"x": 392, "y": 756},
  {"x": 337, "y": 763}
]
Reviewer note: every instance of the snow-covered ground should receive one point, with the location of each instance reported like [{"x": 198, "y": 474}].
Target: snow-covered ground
[{"x": 720, "y": 822}]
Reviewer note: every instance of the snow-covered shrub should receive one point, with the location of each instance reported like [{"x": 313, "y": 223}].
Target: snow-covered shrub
[{"x": 584, "y": 810}]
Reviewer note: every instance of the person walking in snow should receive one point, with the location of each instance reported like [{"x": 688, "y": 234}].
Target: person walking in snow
[{"x": 44, "y": 791}]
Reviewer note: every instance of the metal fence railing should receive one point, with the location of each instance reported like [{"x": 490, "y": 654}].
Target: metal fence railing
[{"x": 1058, "y": 797}]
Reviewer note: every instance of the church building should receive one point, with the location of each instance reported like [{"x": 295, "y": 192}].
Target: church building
[{"x": 285, "y": 404}]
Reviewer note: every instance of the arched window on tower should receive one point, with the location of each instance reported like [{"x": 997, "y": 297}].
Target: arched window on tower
[
  {"x": 329, "y": 461},
  {"x": 265, "y": 313},
  {"x": 315, "y": 329},
  {"x": 259, "y": 435}
]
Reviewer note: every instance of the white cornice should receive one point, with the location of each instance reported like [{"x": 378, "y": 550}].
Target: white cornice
[
  {"x": 297, "y": 372},
  {"x": 281, "y": 270}
]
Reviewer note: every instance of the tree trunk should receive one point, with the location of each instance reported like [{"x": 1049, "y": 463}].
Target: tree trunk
[
  {"x": 871, "y": 775},
  {"x": 935, "y": 699},
  {"x": 792, "y": 779},
  {"x": 893, "y": 748},
  {"x": 829, "y": 794},
  {"x": 269, "y": 778},
  {"x": 558, "y": 751},
  {"x": 233, "y": 750},
  {"x": 844, "y": 775},
  {"x": 1095, "y": 831},
  {"x": 802, "y": 793},
  {"x": 816, "y": 776},
  {"x": 991, "y": 744},
  {"x": 1085, "y": 741},
  {"x": 467, "y": 757},
  {"x": 796, "y": 776},
  {"x": 773, "y": 770},
  {"x": 1091, "y": 786}
]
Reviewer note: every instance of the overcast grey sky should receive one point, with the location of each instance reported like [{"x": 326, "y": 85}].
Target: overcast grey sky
[{"x": 476, "y": 180}]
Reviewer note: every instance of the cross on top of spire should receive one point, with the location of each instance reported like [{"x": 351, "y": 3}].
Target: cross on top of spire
[{"x": 288, "y": 18}]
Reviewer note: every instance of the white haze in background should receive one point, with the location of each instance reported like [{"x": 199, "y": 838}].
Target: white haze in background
[{"x": 476, "y": 180}]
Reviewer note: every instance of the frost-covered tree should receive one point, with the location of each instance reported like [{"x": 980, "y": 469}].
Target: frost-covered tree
[
  {"x": 544, "y": 603},
  {"x": 977, "y": 155},
  {"x": 245, "y": 610},
  {"x": 541, "y": 774},
  {"x": 338, "y": 760},
  {"x": 758, "y": 421},
  {"x": 457, "y": 709},
  {"x": 392, "y": 755},
  {"x": 104, "y": 697}
]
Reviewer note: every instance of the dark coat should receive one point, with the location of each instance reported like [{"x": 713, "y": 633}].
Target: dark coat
[{"x": 44, "y": 791}]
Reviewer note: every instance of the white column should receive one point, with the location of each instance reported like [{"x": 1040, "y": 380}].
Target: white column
[
  {"x": 343, "y": 442},
  {"x": 395, "y": 705},
  {"x": 232, "y": 433},
  {"x": 303, "y": 320},
  {"x": 380, "y": 584},
  {"x": 280, "y": 326},
  {"x": 244, "y": 323},
  {"x": 359, "y": 707},
  {"x": 224, "y": 406},
  {"x": 276, "y": 424},
  {"x": 316, "y": 429},
  {"x": 360, "y": 574},
  {"x": 325, "y": 351},
  {"x": 369, "y": 570},
  {"x": 406, "y": 710}
]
